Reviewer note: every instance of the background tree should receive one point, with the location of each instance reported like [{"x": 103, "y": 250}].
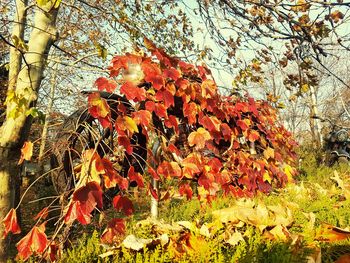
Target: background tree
[{"x": 294, "y": 38}]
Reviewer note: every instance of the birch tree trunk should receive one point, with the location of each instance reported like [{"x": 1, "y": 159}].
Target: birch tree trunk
[
  {"x": 17, "y": 33},
  {"x": 314, "y": 121},
  {"x": 20, "y": 99}
]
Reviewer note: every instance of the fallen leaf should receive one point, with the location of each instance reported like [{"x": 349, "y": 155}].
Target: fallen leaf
[
  {"x": 134, "y": 243},
  {"x": 234, "y": 238}
]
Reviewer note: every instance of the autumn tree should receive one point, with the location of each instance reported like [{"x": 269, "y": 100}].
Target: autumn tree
[{"x": 228, "y": 144}]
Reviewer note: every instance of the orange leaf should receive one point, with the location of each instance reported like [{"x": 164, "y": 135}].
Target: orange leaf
[
  {"x": 11, "y": 224},
  {"x": 253, "y": 135},
  {"x": 26, "y": 152},
  {"x": 35, "y": 241},
  {"x": 199, "y": 138},
  {"x": 169, "y": 169},
  {"x": 329, "y": 233},
  {"x": 153, "y": 74},
  {"x": 108, "y": 84},
  {"x": 132, "y": 92},
  {"x": 190, "y": 111},
  {"x": 142, "y": 117},
  {"x": 209, "y": 88},
  {"x": 98, "y": 106}
]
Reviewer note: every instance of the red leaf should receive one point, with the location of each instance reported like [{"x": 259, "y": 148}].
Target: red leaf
[
  {"x": 153, "y": 192},
  {"x": 42, "y": 214},
  {"x": 153, "y": 74},
  {"x": 26, "y": 152},
  {"x": 241, "y": 107},
  {"x": 210, "y": 123},
  {"x": 169, "y": 169},
  {"x": 166, "y": 97},
  {"x": 215, "y": 165},
  {"x": 173, "y": 149},
  {"x": 133, "y": 92},
  {"x": 84, "y": 201},
  {"x": 106, "y": 84},
  {"x": 142, "y": 117},
  {"x": 119, "y": 62},
  {"x": 137, "y": 177},
  {"x": 123, "y": 183},
  {"x": 243, "y": 124},
  {"x": 116, "y": 227},
  {"x": 75, "y": 212},
  {"x": 153, "y": 173},
  {"x": 252, "y": 106},
  {"x": 34, "y": 242},
  {"x": 190, "y": 112},
  {"x": 125, "y": 142},
  {"x": 53, "y": 252},
  {"x": 171, "y": 73},
  {"x": 186, "y": 67},
  {"x": 150, "y": 106},
  {"x": 160, "y": 110},
  {"x": 226, "y": 131},
  {"x": 203, "y": 71},
  {"x": 91, "y": 193},
  {"x": 122, "y": 203},
  {"x": 11, "y": 224},
  {"x": 185, "y": 189},
  {"x": 172, "y": 122}
]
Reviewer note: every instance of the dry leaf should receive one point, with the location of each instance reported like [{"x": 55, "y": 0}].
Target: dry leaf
[{"x": 235, "y": 238}]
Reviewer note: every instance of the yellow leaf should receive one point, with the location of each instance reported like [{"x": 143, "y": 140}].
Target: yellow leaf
[
  {"x": 130, "y": 124},
  {"x": 267, "y": 177},
  {"x": 280, "y": 232},
  {"x": 289, "y": 171},
  {"x": 91, "y": 168},
  {"x": 235, "y": 238},
  {"x": 305, "y": 88},
  {"x": 204, "y": 231},
  {"x": 269, "y": 153},
  {"x": 338, "y": 180}
]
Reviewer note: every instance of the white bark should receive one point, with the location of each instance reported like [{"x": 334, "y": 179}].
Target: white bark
[
  {"x": 314, "y": 113},
  {"x": 17, "y": 32},
  {"x": 48, "y": 112}
]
